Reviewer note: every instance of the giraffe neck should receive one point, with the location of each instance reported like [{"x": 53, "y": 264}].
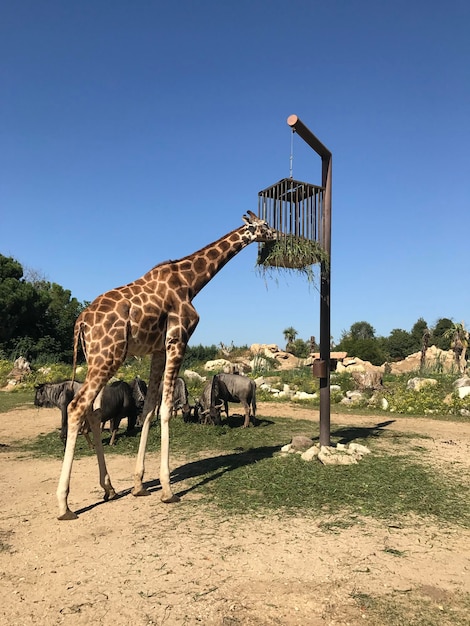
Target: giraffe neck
[{"x": 199, "y": 268}]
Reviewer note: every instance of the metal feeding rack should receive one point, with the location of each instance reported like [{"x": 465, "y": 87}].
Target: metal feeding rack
[
  {"x": 294, "y": 208},
  {"x": 301, "y": 212}
]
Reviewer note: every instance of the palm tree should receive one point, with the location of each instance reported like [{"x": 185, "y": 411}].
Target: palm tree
[
  {"x": 458, "y": 335},
  {"x": 289, "y": 335},
  {"x": 424, "y": 347}
]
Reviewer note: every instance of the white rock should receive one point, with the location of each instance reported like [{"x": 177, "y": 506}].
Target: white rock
[
  {"x": 303, "y": 395},
  {"x": 190, "y": 375},
  {"x": 416, "y": 384},
  {"x": 310, "y": 454},
  {"x": 463, "y": 392},
  {"x": 217, "y": 364},
  {"x": 336, "y": 459},
  {"x": 357, "y": 447}
]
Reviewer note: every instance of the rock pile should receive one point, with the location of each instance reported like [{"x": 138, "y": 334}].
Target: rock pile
[{"x": 341, "y": 454}]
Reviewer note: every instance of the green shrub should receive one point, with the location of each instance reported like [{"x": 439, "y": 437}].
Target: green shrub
[
  {"x": 344, "y": 380},
  {"x": 5, "y": 369},
  {"x": 299, "y": 379}
]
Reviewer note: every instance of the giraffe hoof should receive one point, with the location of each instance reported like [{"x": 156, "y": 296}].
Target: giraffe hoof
[
  {"x": 109, "y": 495},
  {"x": 140, "y": 492},
  {"x": 170, "y": 499},
  {"x": 68, "y": 515}
]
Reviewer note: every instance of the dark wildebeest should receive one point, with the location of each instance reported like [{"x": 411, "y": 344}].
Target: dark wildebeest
[
  {"x": 120, "y": 399},
  {"x": 117, "y": 400},
  {"x": 139, "y": 391},
  {"x": 204, "y": 413},
  {"x": 60, "y": 395},
  {"x": 180, "y": 399},
  {"x": 226, "y": 388}
]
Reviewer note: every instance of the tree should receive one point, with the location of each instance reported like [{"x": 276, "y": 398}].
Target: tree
[
  {"x": 458, "y": 336},
  {"x": 400, "y": 344},
  {"x": 419, "y": 328},
  {"x": 360, "y": 341},
  {"x": 20, "y": 305},
  {"x": 362, "y": 330},
  {"x": 424, "y": 347},
  {"x": 299, "y": 348},
  {"x": 289, "y": 335},
  {"x": 61, "y": 312},
  {"x": 440, "y": 335},
  {"x": 36, "y": 318}
]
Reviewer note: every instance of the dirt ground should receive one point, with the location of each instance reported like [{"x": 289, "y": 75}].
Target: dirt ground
[{"x": 138, "y": 561}]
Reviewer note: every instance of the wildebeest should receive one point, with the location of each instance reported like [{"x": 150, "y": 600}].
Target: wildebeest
[
  {"x": 51, "y": 395},
  {"x": 139, "y": 391},
  {"x": 204, "y": 413},
  {"x": 115, "y": 401},
  {"x": 180, "y": 399},
  {"x": 226, "y": 388}
]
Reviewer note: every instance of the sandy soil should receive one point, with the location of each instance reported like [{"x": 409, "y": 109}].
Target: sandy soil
[{"x": 140, "y": 562}]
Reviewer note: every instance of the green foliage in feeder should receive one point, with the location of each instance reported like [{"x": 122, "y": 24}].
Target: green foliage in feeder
[{"x": 291, "y": 252}]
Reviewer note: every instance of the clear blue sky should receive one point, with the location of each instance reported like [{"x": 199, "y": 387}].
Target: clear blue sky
[{"x": 135, "y": 132}]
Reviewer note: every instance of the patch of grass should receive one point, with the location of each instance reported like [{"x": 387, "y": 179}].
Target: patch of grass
[
  {"x": 379, "y": 487},
  {"x": 189, "y": 440},
  {"x": 15, "y": 399},
  {"x": 414, "y": 608},
  {"x": 241, "y": 470}
]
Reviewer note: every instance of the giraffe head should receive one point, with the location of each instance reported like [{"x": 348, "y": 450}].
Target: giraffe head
[{"x": 258, "y": 229}]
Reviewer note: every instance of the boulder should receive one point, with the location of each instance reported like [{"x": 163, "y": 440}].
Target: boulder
[
  {"x": 300, "y": 442},
  {"x": 464, "y": 381},
  {"x": 369, "y": 379},
  {"x": 352, "y": 397},
  {"x": 416, "y": 384},
  {"x": 190, "y": 375},
  {"x": 21, "y": 370},
  {"x": 355, "y": 364},
  {"x": 436, "y": 359},
  {"x": 285, "y": 360},
  {"x": 217, "y": 365}
]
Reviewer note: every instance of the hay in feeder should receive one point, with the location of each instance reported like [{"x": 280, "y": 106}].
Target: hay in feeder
[{"x": 291, "y": 252}]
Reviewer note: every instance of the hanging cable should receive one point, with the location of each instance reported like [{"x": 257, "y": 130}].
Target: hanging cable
[{"x": 291, "y": 159}]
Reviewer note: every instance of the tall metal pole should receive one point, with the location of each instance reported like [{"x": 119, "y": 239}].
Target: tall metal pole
[{"x": 325, "y": 274}]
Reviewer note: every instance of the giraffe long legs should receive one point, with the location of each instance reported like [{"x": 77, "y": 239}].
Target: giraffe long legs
[
  {"x": 170, "y": 360},
  {"x": 64, "y": 481},
  {"x": 80, "y": 410},
  {"x": 156, "y": 369},
  {"x": 105, "y": 481},
  {"x": 176, "y": 342},
  {"x": 139, "y": 489},
  {"x": 167, "y": 494}
]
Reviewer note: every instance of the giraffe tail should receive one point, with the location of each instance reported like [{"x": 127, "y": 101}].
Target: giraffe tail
[{"x": 77, "y": 338}]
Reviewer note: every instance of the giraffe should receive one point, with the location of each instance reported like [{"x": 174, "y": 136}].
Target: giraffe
[{"x": 152, "y": 315}]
